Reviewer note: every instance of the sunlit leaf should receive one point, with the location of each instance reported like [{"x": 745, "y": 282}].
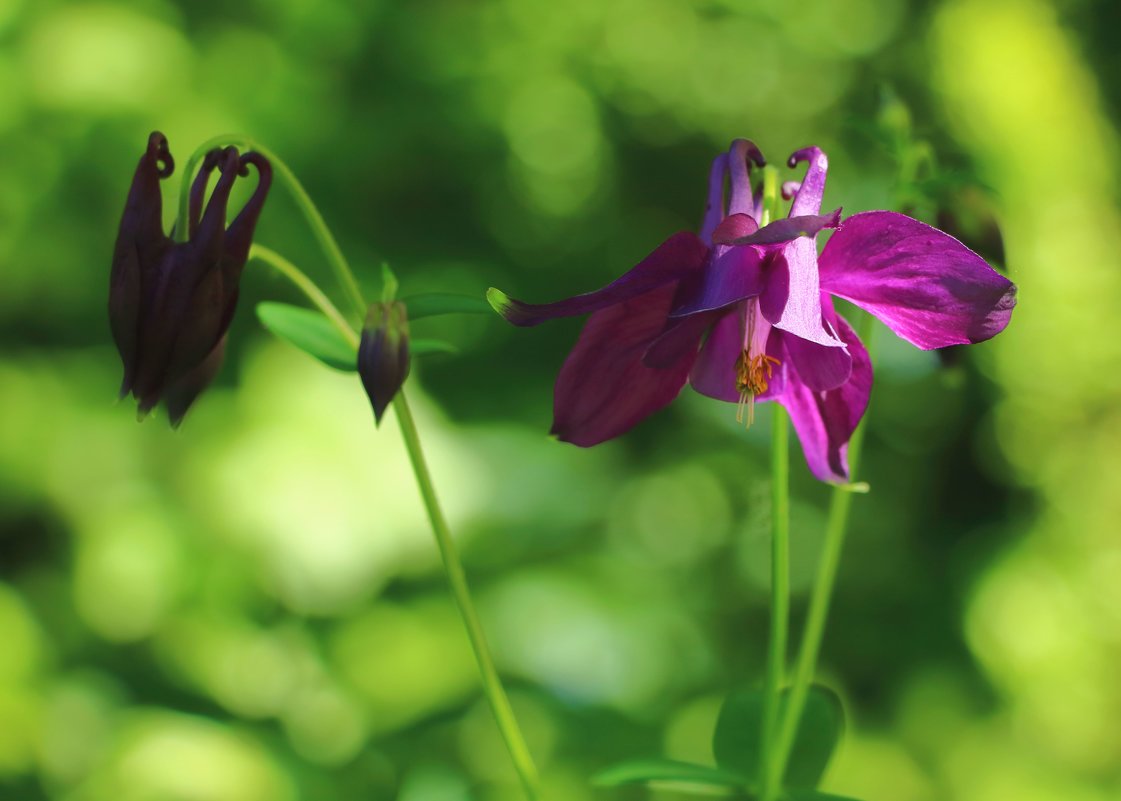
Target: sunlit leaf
[
  {"x": 434, "y": 303},
  {"x": 309, "y": 331},
  {"x": 738, "y": 741},
  {"x": 668, "y": 771}
]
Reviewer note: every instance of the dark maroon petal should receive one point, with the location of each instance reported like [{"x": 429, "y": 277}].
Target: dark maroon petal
[
  {"x": 792, "y": 298},
  {"x": 923, "y": 284},
  {"x": 825, "y": 421},
  {"x": 783, "y": 230},
  {"x": 181, "y": 394},
  {"x": 807, "y": 197},
  {"x": 239, "y": 236},
  {"x": 733, "y": 273},
  {"x": 383, "y": 354},
  {"x": 604, "y": 388},
  {"x": 674, "y": 259},
  {"x": 198, "y": 189}
]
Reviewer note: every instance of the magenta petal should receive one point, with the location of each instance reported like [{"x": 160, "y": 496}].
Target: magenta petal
[
  {"x": 714, "y": 210},
  {"x": 825, "y": 421},
  {"x": 819, "y": 367},
  {"x": 783, "y": 230},
  {"x": 792, "y": 299},
  {"x": 923, "y": 284},
  {"x": 674, "y": 259},
  {"x": 604, "y": 388},
  {"x": 733, "y": 273},
  {"x": 807, "y": 198}
]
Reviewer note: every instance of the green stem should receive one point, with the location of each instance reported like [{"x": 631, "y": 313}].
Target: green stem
[
  {"x": 457, "y": 577},
  {"x": 303, "y": 200},
  {"x": 780, "y": 576},
  {"x": 835, "y": 530},
  {"x": 307, "y": 286},
  {"x": 492, "y": 685}
]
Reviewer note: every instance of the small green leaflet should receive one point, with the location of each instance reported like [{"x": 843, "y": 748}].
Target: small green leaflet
[
  {"x": 738, "y": 744},
  {"x": 317, "y": 336}
]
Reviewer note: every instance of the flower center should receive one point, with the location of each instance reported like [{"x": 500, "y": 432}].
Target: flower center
[
  {"x": 754, "y": 368},
  {"x": 753, "y": 374}
]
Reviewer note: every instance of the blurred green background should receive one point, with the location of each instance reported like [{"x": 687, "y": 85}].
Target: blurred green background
[{"x": 251, "y": 608}]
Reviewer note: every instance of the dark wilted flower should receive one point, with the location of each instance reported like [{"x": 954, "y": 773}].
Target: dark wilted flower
[
  {"x": 745, "y": 314},
  {"x": 170, "y": 303},
  {"x": 383, "y": 353}
]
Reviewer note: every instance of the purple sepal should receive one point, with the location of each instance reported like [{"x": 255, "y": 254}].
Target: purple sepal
[
  {"x": 732, "y": 274},
  {"x": 604, "y": 388},
  {"x": 677, "y": 257},
  {"x": 783, "y": 230},
  {"x": 926, "y": 286}
]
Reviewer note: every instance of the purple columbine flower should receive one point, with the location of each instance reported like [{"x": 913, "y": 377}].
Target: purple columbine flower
[
  {"x": 745, "y": 314},
  {"x": 171, "y": 303}
]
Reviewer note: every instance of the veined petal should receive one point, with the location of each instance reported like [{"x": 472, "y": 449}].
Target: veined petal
[
  {"x": 825, "y": 421},
  {"x": 792, "y": 298},
  {"x": 819, "y": 367},
  {"x": 783, "y": 230},
  {"x": 926, "y": 286},
  {"x": 807, "y": 197},
  {"x": 673, "y": 260},
  {"x": 604, "y": 388},
  {"x": 714, "y": 210},
  {"x": 732, "y": 274}
]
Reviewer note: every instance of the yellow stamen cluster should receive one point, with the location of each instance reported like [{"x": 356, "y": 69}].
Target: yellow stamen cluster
[{"x": 753, "y": 374}]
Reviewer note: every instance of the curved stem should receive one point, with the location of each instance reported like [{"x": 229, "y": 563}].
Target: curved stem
[
  {"x": 307, "y": 286},
  {"x": 780, "y": 582},
  {"x": 453, "y": 567},
  {"x": 299, "y": 194},
  {"x": 492, "y": 685},
  {"x": 835, "y": 530}
]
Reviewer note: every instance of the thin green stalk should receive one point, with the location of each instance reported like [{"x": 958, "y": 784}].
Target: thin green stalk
[
  {"x": 780, "y": 572},
  {"x": 315, "y": 219},
  {"x": 835, "y": 530},
  {"x": 453, "y": 567},
  {"x": 499, "y": 702},
  {"x": 307, "y": 286}
]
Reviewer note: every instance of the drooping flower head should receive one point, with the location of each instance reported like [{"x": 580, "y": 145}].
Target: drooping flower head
[
  {"x": 383, "y": 353},
  {"x": 744, "y": 313},
  {"x": 171, "y": 303}
]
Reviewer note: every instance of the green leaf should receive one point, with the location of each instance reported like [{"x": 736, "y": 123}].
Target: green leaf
[
  {"x": 738, "y": 740},
  {"x": 668, "y": 771},
  {"x": 813, "y": 795},
  {"x": 434, "y": 303},
  {"x": 309, "y": 331}
]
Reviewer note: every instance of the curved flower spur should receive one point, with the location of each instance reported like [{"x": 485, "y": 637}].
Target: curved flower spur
[
  {"x": 171, "y": 301},
  {"x": 744, "y": 313}
]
